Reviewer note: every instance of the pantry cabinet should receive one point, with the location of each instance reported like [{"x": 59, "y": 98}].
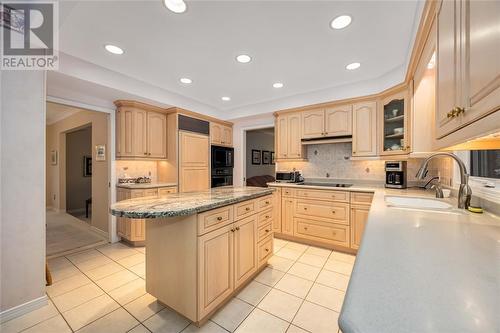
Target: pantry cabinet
[
  {"x": 393, "y": 124},
  {"x": 335, "y": 121},
  {"x": 194, "y": 166},
  {"x": 288, "y": 134},
  {"x": 221, "y": 135},
  {"x": 468, "y": 70},
  {"x": 364, "y": 129}
]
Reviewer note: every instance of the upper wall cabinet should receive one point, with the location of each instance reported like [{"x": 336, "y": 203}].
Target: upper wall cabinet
[
  {"x": 288, "y": 136},
  {"x": 364, "y": 129},
  {"x": 140, "y": 133},
  {"x": 221, "y": 134},
  {"x": 335, "y": 121},
  {"x": 394, "y": 124},
  {"x": 468, "y": 70}
]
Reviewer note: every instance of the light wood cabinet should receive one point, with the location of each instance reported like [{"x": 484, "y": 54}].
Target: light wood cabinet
[
  {"x": 288, "y": 136},
  {"x": 221, "y": 134},
  {"x": 468, "y": 70},
  {"x": 193, "y": 162},
  {"x": 287, "y": 216},
  {"x": 245, "y": 249},
  {"x": 359, "y": 215},
  {"x": 140, "y": 134},
  {"x": 276, "y": 225},
  {"x": 313, "y": 124},
  {"x": 335, "y": 121},
  {"x": 393, "y": 124},
  {"x": 364, "y": 129}
]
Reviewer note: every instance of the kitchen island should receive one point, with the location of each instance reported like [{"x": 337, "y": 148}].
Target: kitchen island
[{"x": 203, "y": 247}]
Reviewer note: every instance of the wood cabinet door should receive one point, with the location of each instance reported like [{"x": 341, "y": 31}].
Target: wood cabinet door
[
  {"x": 137, "y": 230},
  {"x": 364, "y": 129},
  {"x": 276, "y": 225},
  {"x": 193, "y": 179},
  {"x": 215, "y": 133},
  {"x": 227, "y": 136},
  {"x": 448, "y": 60},
  {"x": 193, "y": 149},
  {"x": 124, "y": 133},
  {"x": 294, "y": 136},
  {"x": 313, "y": 124},
  {"x": 245, "y": 249},
  {"x": 482, "y": 50},
  {"x": 359, "y": 216},
  {"x": 282, "y": 137},
  {"x": 392, "y": 143},
  {"x": 338, "y": 121},
  {"x": 215, "y": 269},
  {"x": 139, "y": 133},
  {"x": 287, "y": 216},
  {"x": 157, "y": 135}
]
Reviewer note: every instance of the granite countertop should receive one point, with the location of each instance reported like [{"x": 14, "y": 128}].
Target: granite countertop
[
  {"x": 134, "y": 186},
  {"x": 422, "y": 270},
  {"x": 181, "y": 204}
]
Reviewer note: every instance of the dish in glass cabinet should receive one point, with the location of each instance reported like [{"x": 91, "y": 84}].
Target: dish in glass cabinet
[
  {"x": 398, "y": 130},
  {"x": 395, "y": 112}
]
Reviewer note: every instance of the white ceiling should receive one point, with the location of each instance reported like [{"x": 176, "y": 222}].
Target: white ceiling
[{"x": 290, "y": 41}]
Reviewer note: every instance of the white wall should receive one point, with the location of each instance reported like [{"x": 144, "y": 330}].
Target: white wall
[
  {"x": 22, "y": 194},
  {"x": 239, "y": 140},
  {"x": 259, "y": 140}
]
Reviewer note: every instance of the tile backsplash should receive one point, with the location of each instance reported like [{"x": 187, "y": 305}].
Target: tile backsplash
[
  {"x": 136, "y": 169},
  {"x": 334, "y": 160}
]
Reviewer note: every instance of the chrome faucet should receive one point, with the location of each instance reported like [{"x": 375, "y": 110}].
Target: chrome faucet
[{"x": 465, "y": 192}]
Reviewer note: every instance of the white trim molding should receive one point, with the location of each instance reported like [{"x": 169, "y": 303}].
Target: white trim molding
[{"x": 22, "y": 309}]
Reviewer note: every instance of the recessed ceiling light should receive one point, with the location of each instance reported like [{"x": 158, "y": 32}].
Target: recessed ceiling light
[
  {"x": 278, "y": 85},
  {"x": 185, "y": 80},
  {"x": 176, "y": 6},
  {"x": 225, "y": 98},
  {"x": 243, "y": 58},
  {"x": 354, "y": 65},
  {"x": 113, "y": 49},
  {"x": 340, "y": 22}
]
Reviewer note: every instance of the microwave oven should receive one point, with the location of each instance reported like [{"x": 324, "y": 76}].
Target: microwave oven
[{"x": 288, "y": 176}]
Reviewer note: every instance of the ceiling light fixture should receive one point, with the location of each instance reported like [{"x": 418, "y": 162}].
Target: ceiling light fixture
[
  {"x": 186, "y": 80},
  {"x": 225, "y": 98},
  {"x": 354, "y": 65},
  {"x": 277, "y": 85},
  {"x": 243, "y": 58},
  {"x": 340, "y": 22},
  {"x": 113, "y": 49},
  {"x": 176, "y": 6}
]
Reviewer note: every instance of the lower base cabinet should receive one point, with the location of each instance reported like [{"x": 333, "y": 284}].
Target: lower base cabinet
[{"x": 359, "y": 216}]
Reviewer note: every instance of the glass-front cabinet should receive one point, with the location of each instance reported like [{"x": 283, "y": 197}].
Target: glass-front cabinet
[{"x": 394, "y": 125}]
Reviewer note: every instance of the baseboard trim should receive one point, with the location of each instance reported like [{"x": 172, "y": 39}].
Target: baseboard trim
[
  {"x": 100, "y": 232},
  {"x": 23, "y": 309}
]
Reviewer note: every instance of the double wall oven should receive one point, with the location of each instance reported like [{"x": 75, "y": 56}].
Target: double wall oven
[{"x": 222, "y": 166}]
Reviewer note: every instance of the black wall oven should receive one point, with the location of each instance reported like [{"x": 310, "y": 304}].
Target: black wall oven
[{"x": 222, "y": 166}]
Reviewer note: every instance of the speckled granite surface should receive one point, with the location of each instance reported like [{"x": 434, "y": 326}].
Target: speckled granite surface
[
  {"x": 145, "y": 185},
  {"x": 181, "y": 204}
]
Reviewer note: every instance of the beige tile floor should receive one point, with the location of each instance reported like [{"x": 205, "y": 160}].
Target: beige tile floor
[{"x": 103, "y": 290}]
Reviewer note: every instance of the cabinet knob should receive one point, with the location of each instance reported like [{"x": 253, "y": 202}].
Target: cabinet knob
[
  {"x": 267, "y": 216},
  {"x": 267, "y": 230},
  {"x": 305, "y": 228},
  {"x": 267, "y": 250},
  {"x": 305, "y": 208},
  {"x": 247, "y": 209},
  {"x": 145, "y": 153},
  {"x": 333, "y": 212},
  {"x": 219, "y": 218},
  {"x": 267, "y": 202},
  {"x": 232, "y": 230}
]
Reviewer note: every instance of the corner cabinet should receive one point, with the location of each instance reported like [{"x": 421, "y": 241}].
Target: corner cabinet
[
  {"x": 468, "y": 70},
  {"x": 140, "y": 134},
  {"x": 394, "y": 129},
  {"x": 364, "y": 129},
  {"x": 288, "y": 136},
  {"x": 221, "y": 135}
]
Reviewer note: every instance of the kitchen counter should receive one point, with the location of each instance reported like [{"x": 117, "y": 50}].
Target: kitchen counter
[
  {"x": 422, "y": 270},
  {"x": 134, "y": 186},
  {"x": 182, "y": 204}
]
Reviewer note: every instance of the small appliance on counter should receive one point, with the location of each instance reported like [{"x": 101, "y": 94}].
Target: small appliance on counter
[
  {"x": 138, "y": 180},
  {"x": 395, "y": 174},
  {"x": 288, "y": 177},
  {"x": 222, "y": 166}
]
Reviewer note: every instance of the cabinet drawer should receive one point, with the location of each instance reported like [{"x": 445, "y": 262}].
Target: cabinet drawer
[
  {"x": 153, "y": 192},
  {"x": 287, "y": 192},
  {"x": 245, "y": 209},
  {"x": 214, "y": 219},
  {"x": 265, "y": 202},
  {"x": 265, "y": 250},
  {"x": 264, "y": 231},
  {"x": 361, "y": 198},
  {"x": 136, "y": 194},
  {"x": 323, "y": 195},
  {"x": 335, "y": 234},
  {"x": 166, "y": 190},
  {"x": 265, "y": 217},
  {"x": 333, "y": 212}
]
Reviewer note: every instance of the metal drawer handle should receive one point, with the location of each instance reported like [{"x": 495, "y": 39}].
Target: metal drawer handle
[
  {"x": 219, "y": 218},
  {"x": 247, "y": 209},
  {"x": 267, "y": 250},
  {"x": 232, "y": 230},
  {"x": 267, "y": 202},
  {"x": 267, "y": 230},
  {"x": 237, "y": 228},
  {"x": 333, "y": 212},
  {"x": 267, "y": 216}
]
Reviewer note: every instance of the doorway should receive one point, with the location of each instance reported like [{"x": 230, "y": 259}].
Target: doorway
[
  {"x": 260, "y": 157},
  {"x": 77, "y": 192}
]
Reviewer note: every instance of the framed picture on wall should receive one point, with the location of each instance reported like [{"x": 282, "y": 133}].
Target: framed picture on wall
[
  {"x": 266, "y": 157},
  {"x": 273, "y": 158},
  {"x": 87, "y": 166},
  {"x": 255, "y": 157},
  {"x": 53, "y": 157},
  {"x": 100, "y": 153}
]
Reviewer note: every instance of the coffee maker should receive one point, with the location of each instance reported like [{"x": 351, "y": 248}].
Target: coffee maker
[{"x": 395, "y": 174}]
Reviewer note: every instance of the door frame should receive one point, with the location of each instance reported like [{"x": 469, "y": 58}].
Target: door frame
[
  {"x": 243, "y": 140},
  {"x": 112, "y": 235}
]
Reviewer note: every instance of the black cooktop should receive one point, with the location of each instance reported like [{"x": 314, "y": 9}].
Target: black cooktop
[{"x": 325, "y": 184}]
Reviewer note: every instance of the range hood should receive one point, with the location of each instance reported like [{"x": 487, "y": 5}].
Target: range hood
[{"x": 324, "y": 140}]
